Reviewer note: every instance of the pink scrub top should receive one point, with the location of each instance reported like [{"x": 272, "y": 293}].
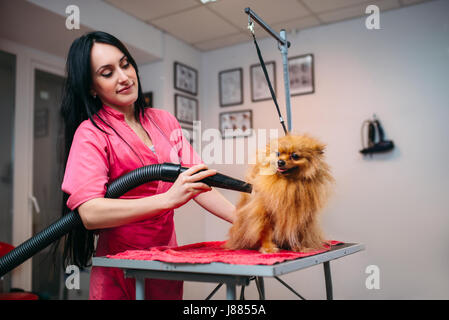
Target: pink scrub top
[{"x": 96, "y": 159}]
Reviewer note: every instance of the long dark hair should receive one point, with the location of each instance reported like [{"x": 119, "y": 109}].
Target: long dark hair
[{"x": 78, "y": 105}]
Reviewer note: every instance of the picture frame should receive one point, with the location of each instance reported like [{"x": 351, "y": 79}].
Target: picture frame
[
  {"x": 259, "y": 86},
  {"x": 186, "y": 109},
  {"x": 236, "y": 124},
  {"x": 148, "y": 97},
  {"x": 185, "y": 78},
  {"x": 230, "y": 85},
  {"x": 301, "y": 72}
]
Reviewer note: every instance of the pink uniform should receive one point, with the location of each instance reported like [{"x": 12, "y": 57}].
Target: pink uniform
[{"x": 97, "y": 159}]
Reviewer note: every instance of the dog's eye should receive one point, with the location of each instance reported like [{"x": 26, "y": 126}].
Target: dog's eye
[{"x": 296, "y": 156}]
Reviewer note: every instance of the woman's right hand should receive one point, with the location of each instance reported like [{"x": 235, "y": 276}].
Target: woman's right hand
[{"x": 187, "y": 186}]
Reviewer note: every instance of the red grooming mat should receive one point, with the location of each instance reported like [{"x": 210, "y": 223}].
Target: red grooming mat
[
  {"x": 19, "y": 296},
  {"x": 207, "y": 252}
]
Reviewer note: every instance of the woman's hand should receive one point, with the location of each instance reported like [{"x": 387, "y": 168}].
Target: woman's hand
[{"x": 186, "y": 186}]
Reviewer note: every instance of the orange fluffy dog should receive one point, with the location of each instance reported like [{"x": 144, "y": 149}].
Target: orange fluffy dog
[{"x": 290, "y": 185}]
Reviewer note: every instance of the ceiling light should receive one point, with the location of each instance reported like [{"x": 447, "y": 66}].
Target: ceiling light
[{"x": 206, "y": 1}]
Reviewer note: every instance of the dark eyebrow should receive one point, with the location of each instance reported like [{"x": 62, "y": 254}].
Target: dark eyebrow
[{"x": 108, "y": 65}]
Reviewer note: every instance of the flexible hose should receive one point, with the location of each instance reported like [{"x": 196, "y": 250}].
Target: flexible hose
[
  {"x": 40, "y": 241},
  {"x": 166, "y": 172}
]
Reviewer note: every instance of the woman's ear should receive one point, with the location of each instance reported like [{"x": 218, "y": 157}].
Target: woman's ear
[{"x": 93, "y": 93}]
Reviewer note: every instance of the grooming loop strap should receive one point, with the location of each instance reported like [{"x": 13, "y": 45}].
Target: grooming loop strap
[
  {"x": 265, "y": 72},
  {"x": 250, "y": 25},
  {"x": 283, "y": 45}
]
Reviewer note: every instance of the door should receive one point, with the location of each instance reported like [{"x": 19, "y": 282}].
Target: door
[
  {"x": 48, "y": 172},
  {"x": 7, "y": 105}
]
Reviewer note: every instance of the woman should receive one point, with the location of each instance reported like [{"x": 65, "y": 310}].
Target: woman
[{"x": 109, "y": 132}]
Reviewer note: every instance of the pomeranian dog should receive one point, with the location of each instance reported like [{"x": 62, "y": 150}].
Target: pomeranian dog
[{"x": 290, "y": 185}]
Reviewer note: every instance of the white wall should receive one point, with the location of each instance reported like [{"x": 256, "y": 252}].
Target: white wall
[{"x": 395, "y": 203}]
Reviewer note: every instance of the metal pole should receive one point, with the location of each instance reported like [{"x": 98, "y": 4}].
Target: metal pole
[
  {"x": 230, "y": 291},
  {"x": 267, "y": 28},
  {"x": 284, "y": 52},
  {"x": 328, "y": 280},
  {"x": 213, "y": 292},
  {"x": 260, "y": 287},
  {"x": 283, "y": 45},
  {"x": 140, "y": 288},
  {"x": 289, "y": 288}
]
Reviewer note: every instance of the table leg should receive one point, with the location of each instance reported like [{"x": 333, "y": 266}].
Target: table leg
[
  {"x": 213, "y": 292},
  {"x": 328, "y": 279},
  {"x": 140, "y": 288},
  {"x": 230, "y": 291},
  {"x": 260, "y": 287}
]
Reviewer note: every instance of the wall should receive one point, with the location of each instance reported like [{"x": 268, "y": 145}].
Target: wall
[{"x": 395, "y": 203}]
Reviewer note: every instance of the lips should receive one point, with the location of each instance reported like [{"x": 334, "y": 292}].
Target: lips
[{"x": 125, "y": 89}]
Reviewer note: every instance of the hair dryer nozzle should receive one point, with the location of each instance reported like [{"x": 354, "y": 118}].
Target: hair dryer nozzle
[
  {"x": 223, "y": 181},
  {"x": 169, "y": 172}
]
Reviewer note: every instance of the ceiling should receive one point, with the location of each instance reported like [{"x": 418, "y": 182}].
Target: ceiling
[
  {"x": 223, "y": 23},
  {"x": 205, "y": 27},
  {"x": 23, "y": 22}
]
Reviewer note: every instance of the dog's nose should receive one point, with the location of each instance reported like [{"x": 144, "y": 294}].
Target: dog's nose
[{"x": 281, "y": 163}]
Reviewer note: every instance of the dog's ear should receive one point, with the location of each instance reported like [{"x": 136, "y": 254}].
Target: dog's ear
[{"x": 320, "y": 148}]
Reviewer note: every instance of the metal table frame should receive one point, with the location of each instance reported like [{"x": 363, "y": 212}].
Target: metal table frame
[{"x": 229, "y": 274}]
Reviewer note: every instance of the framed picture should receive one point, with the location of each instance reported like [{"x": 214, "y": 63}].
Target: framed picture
[
  {"x": 230, "y": 84},
  {"x": 186, "y": 78},
  {"x": 259, "y": 86},
  {"x": 301, "y": 73},
  {"x": 236, "y": 124},
  {"x": 186, "y": 109},
  {"x": 148, "y": 97}
]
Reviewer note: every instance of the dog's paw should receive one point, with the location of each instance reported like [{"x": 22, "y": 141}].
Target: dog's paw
[
  {"x": 302, "y": 249},
  {"x": 269, "y": 249}
]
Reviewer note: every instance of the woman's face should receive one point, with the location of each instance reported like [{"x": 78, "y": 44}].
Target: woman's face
[{"x": 114, "y": 79}]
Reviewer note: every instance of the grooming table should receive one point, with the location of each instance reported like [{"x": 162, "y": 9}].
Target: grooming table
[{"x": 224, "y": 273}]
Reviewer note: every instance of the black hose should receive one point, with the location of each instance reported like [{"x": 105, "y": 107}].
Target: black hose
[
  {"x": 169, "y": 172},
  {"x": 40, "y": 241},
  {"x": 166, "y": 172}
]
